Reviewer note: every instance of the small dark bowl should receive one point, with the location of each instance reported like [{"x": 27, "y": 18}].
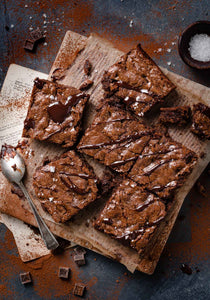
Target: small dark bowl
[{"x": 183, "y": 45}]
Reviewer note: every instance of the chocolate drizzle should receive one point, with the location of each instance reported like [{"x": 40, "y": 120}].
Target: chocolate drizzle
[
  {"x": 128, "y": 138},
  {"x": 58, "y": 112},
  {"x": 70, "y": 185}
]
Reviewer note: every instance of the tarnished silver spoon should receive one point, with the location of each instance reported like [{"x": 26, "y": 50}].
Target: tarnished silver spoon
[{"x": 13, "y": 168}]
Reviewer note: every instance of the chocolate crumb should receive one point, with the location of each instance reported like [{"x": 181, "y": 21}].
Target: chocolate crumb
[
  {"x": 186, "y": 269},
  {"x": 79, "y": 289},
  {"x": 197, "y": 270},
  {"x": 202, "y": 154},
  {"x": 86, "y": 85},
  {"x": 87, "y": 67},
  {"x": 63, "y": 272},
  {"x": 79, "y": 259},
  {"x": 25, "y": 278},
  {"x": 16, "y": 190},
  {"x": 7, "y": 28}
]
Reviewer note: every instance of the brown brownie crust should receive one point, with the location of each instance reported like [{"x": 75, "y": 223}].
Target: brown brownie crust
[
  {"x": 55, "y": 112},
  {"x": 141, "y": 202},
  {"x": 137, "y": 81},
  {"x": 201, "y": 121},
  {"x": 131, "y": 215},
  {"x": 163, "y": 166},
  {"x": 115, "y": 138},
  {"x": 65, "y": 186},
  {"x": 179, "y": 115}
]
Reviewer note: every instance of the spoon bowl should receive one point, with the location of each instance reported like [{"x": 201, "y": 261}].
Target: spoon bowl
[{"x": 12, "y": 164}]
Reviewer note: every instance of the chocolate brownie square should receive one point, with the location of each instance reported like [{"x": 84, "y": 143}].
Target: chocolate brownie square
[
  {"x": 65, "y": 186},
  {"x": 137, "y": 81},
  {"x": 115, "y": 138},
  {"x": 55, "y": 112},
  {"x": 163, "y": 166},
  {"x": 201, "y": 120},
  {"x": 179, "y": 115},
  {"x": 131, "y": 215}
]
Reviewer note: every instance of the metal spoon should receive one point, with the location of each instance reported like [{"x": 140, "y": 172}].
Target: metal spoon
[{"x": 13, "y": 168}]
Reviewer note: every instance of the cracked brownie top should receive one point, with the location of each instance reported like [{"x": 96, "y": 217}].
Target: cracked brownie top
[
  {"x": 137, "y": 81},
  {"x": 65, "y": 186},
  {"x": 115, "y": 138},
  {"x": 55, "y": 112}
]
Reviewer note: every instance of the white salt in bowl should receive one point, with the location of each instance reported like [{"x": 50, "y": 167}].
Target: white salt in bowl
[{"x": 194, "y": 45}]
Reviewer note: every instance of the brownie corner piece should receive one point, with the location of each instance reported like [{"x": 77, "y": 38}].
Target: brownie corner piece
[
  {"x": 137, "y": 81},
  {"x": 131, "y": 215},
  {"x": 65, "y": 186},
  {"x": 201, "y": 120},
  {"x": 55, "y": 112}
]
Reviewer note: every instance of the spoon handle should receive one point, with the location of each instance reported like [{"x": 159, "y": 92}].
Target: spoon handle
[{"x": 49, "y": 239}]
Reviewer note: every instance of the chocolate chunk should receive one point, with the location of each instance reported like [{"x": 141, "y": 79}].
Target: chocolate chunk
[
  {"x": 86, "y": 85},
  {"x": 36, "y": 35},
  {"x": 87, "y": 67},
  {"x": 63, "y": 272},
  {"x": 29, "y": 45},
  {"x": 79, "y": 250},
  {"x": 25, "y": 278},
  {"x": 79, "y": 259},
  {"x": 186, "y": 269},
  {"x": 79, "y": 289}
]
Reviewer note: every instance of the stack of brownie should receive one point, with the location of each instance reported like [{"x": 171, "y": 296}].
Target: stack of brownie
[{"x": 151, "y": 165}]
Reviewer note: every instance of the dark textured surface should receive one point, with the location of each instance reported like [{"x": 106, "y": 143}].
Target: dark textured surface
[{"x": 156, "y": 24}]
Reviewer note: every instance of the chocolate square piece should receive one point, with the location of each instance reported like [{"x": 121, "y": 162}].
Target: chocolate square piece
[
  {"x": 63, "y": 272},
  {"x": 179, "y": 115},
  {"x": 201, "y": 121},
  {"x": 36, "y": 35},
  {"x": 65, "y": 186},
  {"x": 25, "y": 278},
  {"x": 29, "y": 45},
  {"x": 131, "y": 215},
  {"x": 79, "y": 289},
  {"x": 137, "y": 81},
  {"x": 55, "y": 112},
  {"x": 79, "y": 259},
  {"x": 163, "y": 166},
  {"x": 115, "y": 138},
  {"x": 79, "y": 250}
]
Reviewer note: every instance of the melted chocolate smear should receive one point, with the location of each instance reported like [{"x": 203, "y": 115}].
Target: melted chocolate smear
[
  {"x": 58, "y": 111},
  {"x": 186, "y": 269}
]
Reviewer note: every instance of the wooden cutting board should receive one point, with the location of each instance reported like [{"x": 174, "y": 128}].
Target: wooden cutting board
[{"x": 69, "y": 63}]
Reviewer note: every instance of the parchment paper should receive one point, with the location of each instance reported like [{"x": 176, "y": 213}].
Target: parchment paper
[
  {"x": 14, "y": 97},
  {"x": 102, "y": 55}
]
